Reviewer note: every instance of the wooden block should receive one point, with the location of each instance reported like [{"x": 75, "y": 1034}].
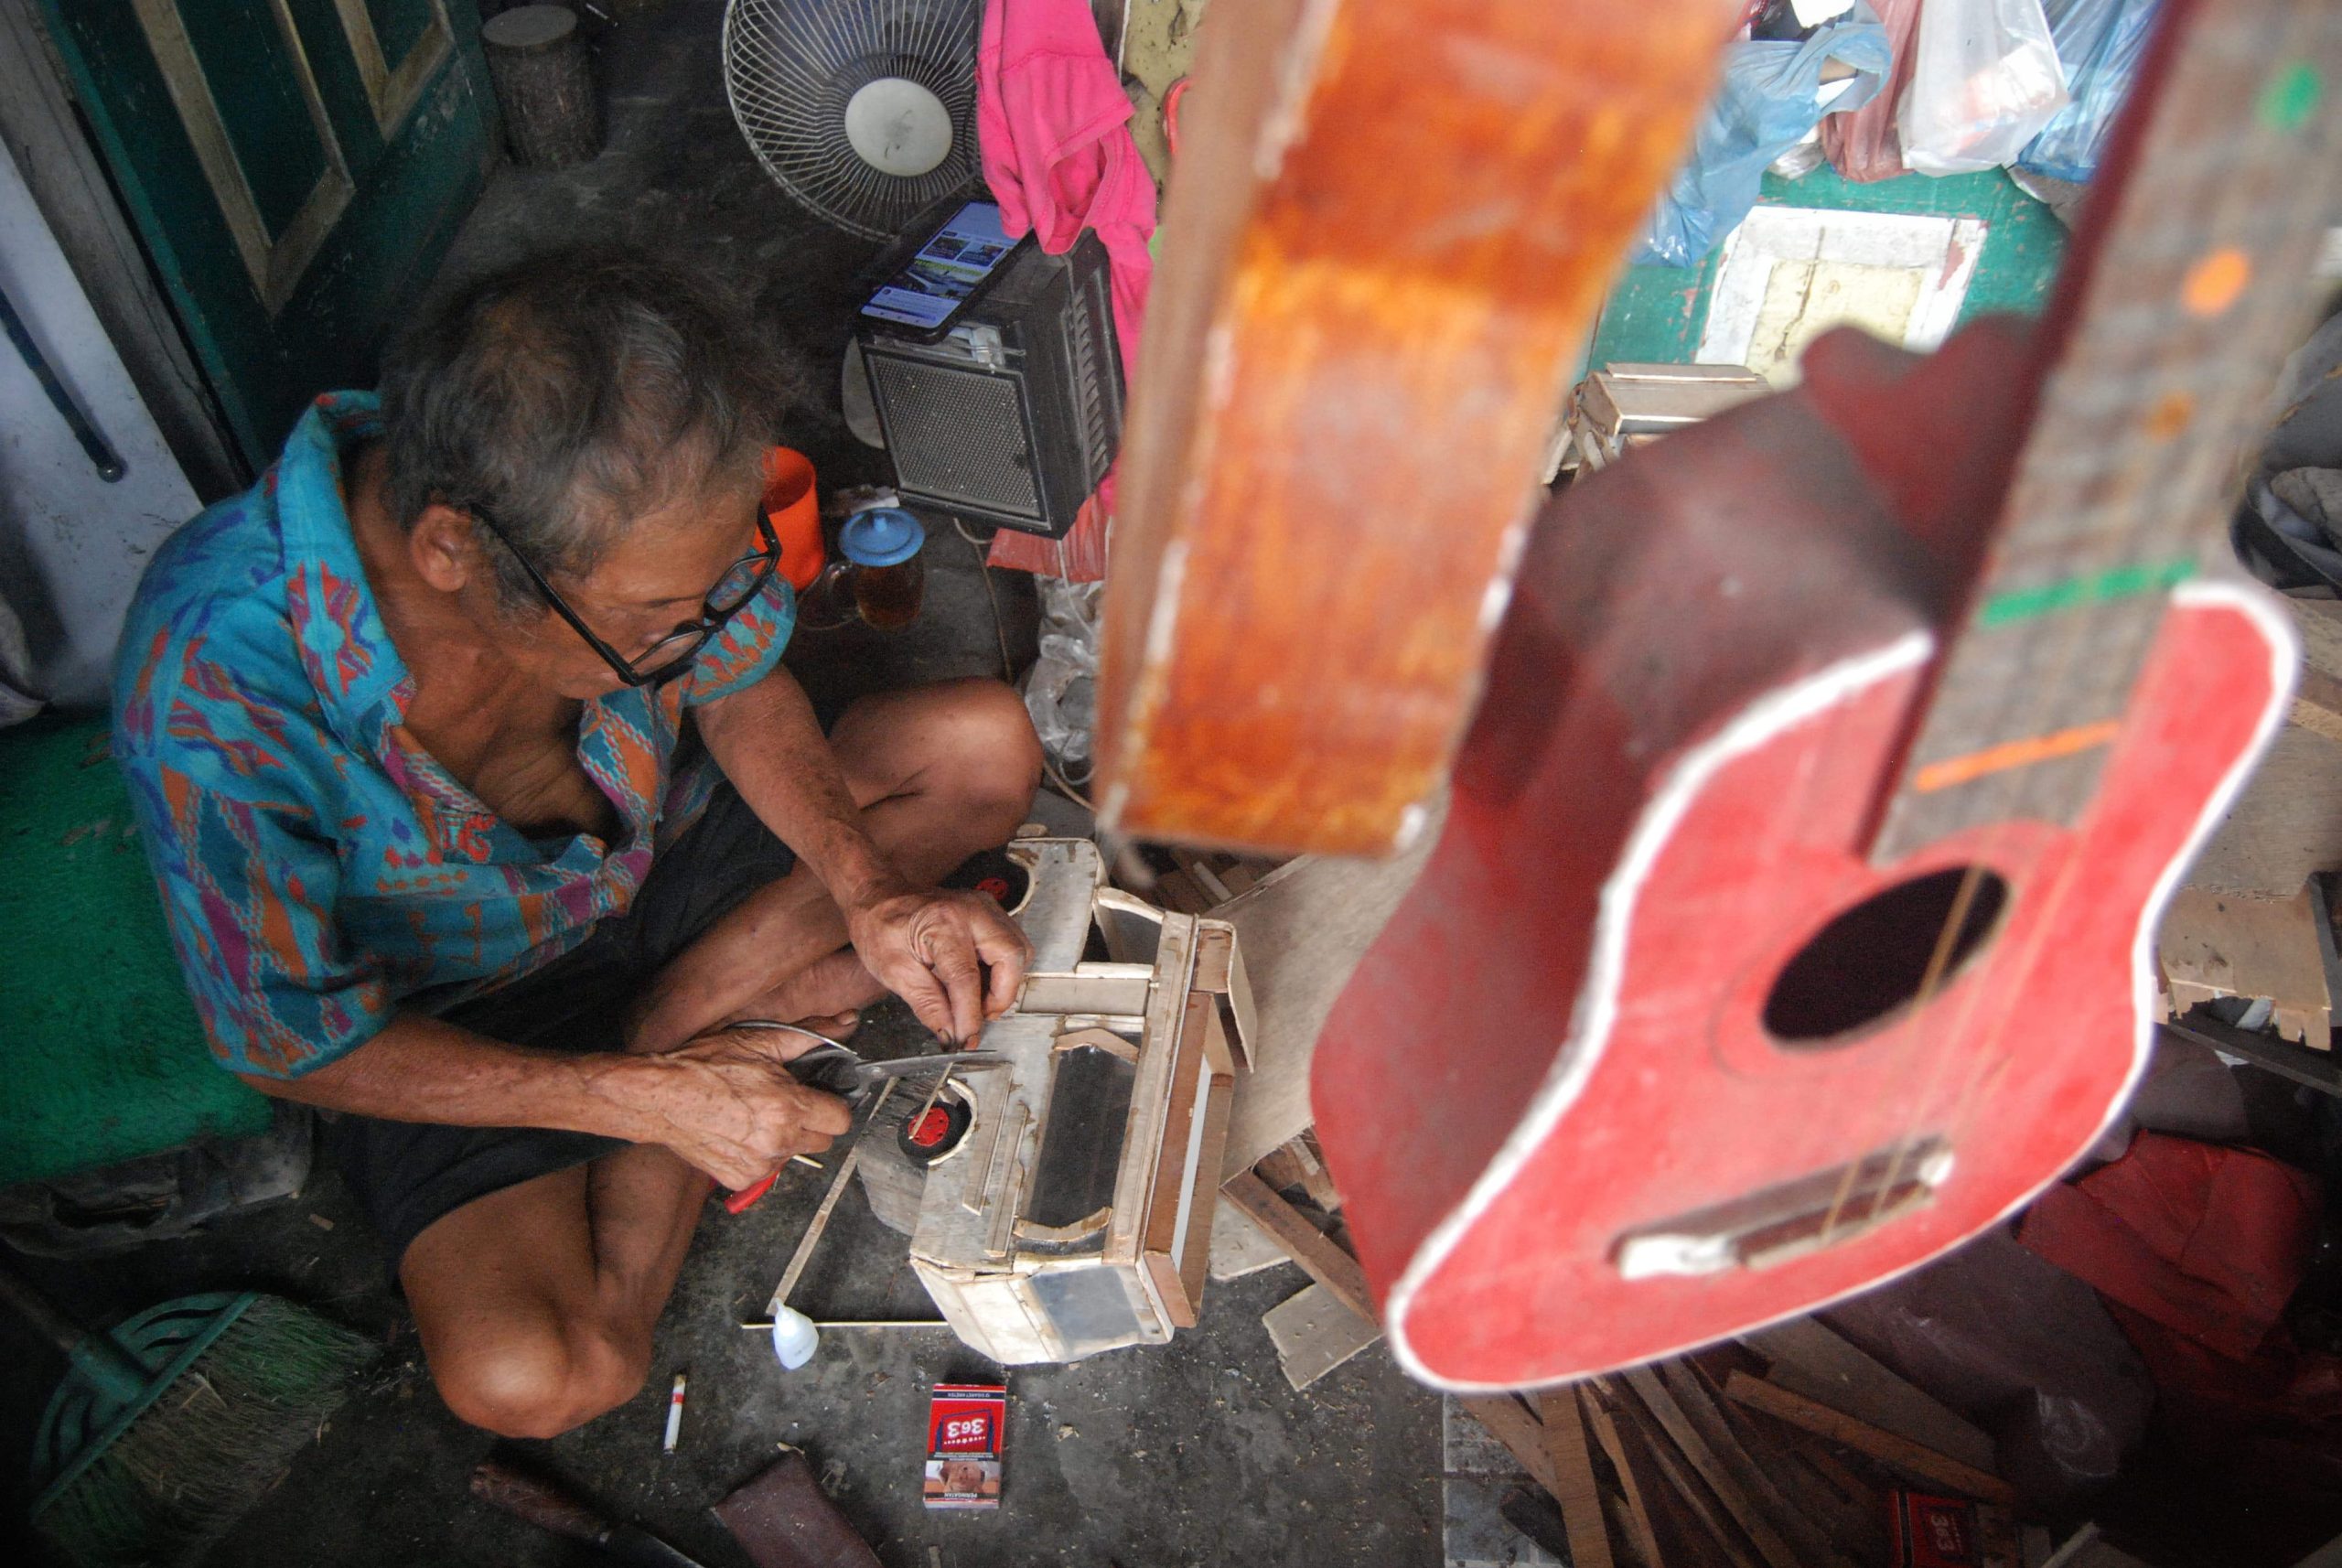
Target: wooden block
[
  {"x": 1711, "y": 1468},
  {"x": 1809, "y": 1358},
  {"x": 1885, "y": 1446},
  {"x": 1304, "y": 1242},
  {"x": 1313, "y": 1333},
  {"x": 1630, "y": 1476},
  {"x": 1573, "y": 1485},
  {"x": 1176, "y": 891}
]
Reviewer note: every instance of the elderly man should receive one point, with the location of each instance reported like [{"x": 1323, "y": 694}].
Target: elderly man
[{"x": 481, "y": 807}]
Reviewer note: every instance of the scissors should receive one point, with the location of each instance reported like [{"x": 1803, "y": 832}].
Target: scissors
[{"x": 835, "y": 1067}]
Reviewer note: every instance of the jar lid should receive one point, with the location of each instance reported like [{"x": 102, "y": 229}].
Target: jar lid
[{"x": 881, "y": 536}]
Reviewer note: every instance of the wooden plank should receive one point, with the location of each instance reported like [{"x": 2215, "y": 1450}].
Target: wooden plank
[
  {"x": 1313, "y": 1333},
  {"x": 1573, "y": 1485},
  {"x": 1770, "y": 1545},
  {"x": 1881, "y": 1444},
  {"x": 1859, "y": 1532},
  {"x": 1808, "y": 1358},
  {"x": 1867, "y": 1499},
  {"x": 1300, "y": 932},
  {"x": 1510, "y": 1422},
  {"x": 1630, "y": 1475},
  {"x": 1304, "y": 1242},
  {"x": 1696, "y": 1516},
  {"x": 1806, "y": 1538}
]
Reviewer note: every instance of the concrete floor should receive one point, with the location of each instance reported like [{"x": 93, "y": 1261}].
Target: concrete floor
[{"x": 1196, "y": 1452}]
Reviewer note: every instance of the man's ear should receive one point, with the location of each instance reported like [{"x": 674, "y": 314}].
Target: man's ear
[{"x": 444, "y": 548}]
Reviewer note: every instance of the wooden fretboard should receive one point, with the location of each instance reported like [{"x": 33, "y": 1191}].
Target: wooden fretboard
[{"x": 2189, "y": 282}]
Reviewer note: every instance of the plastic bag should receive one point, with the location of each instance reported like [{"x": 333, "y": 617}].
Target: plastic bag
[
  {"x": 1772, "y": 94},
  {"x": 2100, "y": 43},
  {"x": 1061, "y": 690},
  {"x": 1862, "y": 145},
  {"x": 1984, "y": 80}
]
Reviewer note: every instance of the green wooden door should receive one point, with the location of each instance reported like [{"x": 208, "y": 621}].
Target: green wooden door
[{"x": 296, "y": 169}]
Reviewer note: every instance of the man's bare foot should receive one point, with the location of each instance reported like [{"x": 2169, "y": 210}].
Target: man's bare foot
[{"x": 826, "y": 987}]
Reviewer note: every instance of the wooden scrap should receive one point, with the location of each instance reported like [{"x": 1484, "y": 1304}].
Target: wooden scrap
[
  {"x": 1574, "y": 1486},
  {"x": 1313, "y": 1333},
  {"x": 2213, "y": 945},
  {"x": 1294, "y": 1163},
  {"x": 1303, "y": 1242},
  {"x": 1512, "y": 1422},
  {"x": 1807, "y": 1358},
  {"x": 1885, "y": 1446},
  {"x": 1853, "y": 1529},
  {"x": 1630, "y": 1476},
  {"x": 1691, "y": 1512},
  {"x": 1809, "y": 1544},
  {"x": 1867, "y": 1499},
  {"x": 1711, "y": 1468},
  {"x": 1302, "y": 930},
  {"x": 1238, "y": 1247}
]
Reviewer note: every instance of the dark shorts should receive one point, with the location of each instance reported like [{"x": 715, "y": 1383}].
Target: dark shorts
[{"x": 408, "y": 1174}]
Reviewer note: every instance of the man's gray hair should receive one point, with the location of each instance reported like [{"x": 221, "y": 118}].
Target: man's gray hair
[{"x": 569, "y": 396}]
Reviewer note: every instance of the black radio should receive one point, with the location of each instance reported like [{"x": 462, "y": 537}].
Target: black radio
[{"x": 1011, "y": 415}]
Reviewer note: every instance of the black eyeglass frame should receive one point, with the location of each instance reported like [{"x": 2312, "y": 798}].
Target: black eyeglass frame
[{"x": 712, "y": 620}]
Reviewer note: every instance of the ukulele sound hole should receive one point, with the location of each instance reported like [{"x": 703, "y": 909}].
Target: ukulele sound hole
[{"x": 1873, "y": 959}]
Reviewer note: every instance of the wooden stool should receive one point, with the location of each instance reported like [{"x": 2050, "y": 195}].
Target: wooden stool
[{"x": 545, "y": 84}]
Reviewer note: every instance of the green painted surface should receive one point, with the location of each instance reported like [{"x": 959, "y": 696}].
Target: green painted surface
[
  {"x": 255, "y": 79},
  {"x": 105, "y": 1059},
  {"x": 410, "y": 192},
  {"x": 2115, "y": 582},
  {"x": 1655, "y": 315},
  {"x": 2292, "y": 95},
  {"x": 398, "y": 23}
]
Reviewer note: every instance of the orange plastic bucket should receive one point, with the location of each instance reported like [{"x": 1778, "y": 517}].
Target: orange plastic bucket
[{"x": 795, "y": 512}]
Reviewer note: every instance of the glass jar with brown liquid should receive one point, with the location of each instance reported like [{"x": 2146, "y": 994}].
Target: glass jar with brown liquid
[{"x": 883, "y": 573}]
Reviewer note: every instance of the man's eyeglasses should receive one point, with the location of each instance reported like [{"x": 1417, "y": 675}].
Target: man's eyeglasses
[{"x": 672, "y": 654}]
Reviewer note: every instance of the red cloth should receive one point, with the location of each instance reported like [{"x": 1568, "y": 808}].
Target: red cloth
[
  {"x": 2205, "y": 1241},
  {"x": 1050, "y": 124},
  {"x": 1864, "y": 145}
]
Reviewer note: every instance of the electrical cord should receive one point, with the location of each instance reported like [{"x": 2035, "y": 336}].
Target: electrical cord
[{"x": 1008, "y": 665}]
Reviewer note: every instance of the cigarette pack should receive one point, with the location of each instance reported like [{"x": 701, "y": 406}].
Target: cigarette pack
[
  {"x": 1932, "y": 1531},
  {"x": 964, "y": 1425}
]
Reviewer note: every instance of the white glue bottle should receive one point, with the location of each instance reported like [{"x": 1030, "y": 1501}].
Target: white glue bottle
[{"x": 794, "y": 1337}]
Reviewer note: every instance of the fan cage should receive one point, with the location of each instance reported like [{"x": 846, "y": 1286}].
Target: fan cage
[{"x": 791, "y": 65}]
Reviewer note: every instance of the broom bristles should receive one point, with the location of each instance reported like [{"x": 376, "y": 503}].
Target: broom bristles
[{"x": 216, "y": 1439}]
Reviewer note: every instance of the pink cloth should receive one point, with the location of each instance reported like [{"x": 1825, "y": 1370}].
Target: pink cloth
[
  {"x": 1050, "y": 115},
  {"x": 1049, "y": 118}
]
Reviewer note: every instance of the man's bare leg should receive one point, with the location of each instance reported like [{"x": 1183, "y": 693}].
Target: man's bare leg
[
  {"x": 941, "y": 772},
  {"x": 537, "y": 1305}
]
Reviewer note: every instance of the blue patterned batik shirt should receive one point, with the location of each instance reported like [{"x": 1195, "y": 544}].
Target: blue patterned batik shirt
[{"x": 318, "y": 866}]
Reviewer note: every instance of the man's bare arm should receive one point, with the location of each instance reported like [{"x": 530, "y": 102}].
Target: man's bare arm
[
  {"x": 726, "y": 1103},
  {"x": 931, "y": 948}
]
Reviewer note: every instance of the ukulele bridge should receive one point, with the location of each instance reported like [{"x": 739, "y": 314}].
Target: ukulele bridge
[{"x": 1791, "y": 1220}]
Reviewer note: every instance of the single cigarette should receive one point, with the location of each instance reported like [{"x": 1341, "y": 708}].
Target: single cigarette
[{"x": 674, "y": 1414}]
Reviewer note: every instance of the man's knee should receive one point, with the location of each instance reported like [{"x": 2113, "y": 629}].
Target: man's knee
[
  {"x": 538, "y": 1383},
  {"x": 986, "y": 745}
]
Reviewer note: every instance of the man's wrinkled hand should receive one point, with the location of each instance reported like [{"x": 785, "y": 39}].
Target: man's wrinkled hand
[
  {"x": 728, "y": 1104},
  {"x": 953, "y": 956}
]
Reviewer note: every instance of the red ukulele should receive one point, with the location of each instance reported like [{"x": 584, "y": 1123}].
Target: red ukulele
[{"x": 1793, "y": 917}]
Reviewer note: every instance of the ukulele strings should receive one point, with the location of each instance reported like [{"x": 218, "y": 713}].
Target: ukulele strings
[
  {"x": 1941, "y": 1040},
  {"x": 2166, "y": 526},
  {"x": 2237, "y": 218}
]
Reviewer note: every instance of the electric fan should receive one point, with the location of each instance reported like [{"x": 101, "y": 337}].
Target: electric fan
[{"x": 865, "y": 110}]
